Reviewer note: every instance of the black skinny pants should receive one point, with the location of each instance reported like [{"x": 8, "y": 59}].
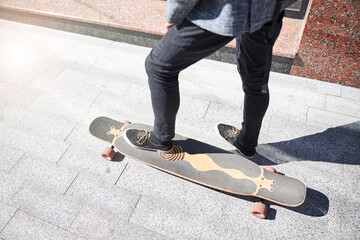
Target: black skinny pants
[{"x": 184, "y": 45}]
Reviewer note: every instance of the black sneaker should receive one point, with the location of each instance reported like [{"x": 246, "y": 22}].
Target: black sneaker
[
  {"x": 143, "y": 139},
  {"x": 230, "y": 133}
]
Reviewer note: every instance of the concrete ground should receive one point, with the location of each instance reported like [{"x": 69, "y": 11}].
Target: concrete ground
[{"x": 55, "y": 185}]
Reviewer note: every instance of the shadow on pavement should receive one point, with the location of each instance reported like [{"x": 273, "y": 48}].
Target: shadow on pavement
[
  {"x": 339, "y": 145},
  {"x": 316, "y": 204},
  {"x": 335, "y": 145}
]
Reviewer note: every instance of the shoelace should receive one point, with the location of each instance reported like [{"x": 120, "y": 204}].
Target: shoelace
[
  {"x": 232, "y": 133},
  {"x": 143, "y": 136}
]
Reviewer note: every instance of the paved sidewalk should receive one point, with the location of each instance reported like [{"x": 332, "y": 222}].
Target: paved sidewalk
[{"x": 55, "y": 185}]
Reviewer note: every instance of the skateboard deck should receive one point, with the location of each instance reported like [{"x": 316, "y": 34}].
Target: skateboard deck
[{"x": 206, "y": 165}]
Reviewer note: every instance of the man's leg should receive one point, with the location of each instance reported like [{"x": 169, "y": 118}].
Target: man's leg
[
  {"x": 182, "y": 46},
  {"x": 254, "y": 55}
]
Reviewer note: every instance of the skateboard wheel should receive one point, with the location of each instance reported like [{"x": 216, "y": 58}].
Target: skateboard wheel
[
  {"x": 259, "y": 210},
  {"x": 108, "y": 153},
  {"x": 127, "y": 122},
  {"x": 270, "y": 169}
]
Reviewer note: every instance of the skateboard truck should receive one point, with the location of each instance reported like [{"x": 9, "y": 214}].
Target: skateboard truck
[
  {"x": 109, "y": 153},
  {"x": 260, "y": 208}
]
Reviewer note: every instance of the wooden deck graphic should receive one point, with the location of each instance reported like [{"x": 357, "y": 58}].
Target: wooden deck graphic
[
  {"x": 116, "y": 133},
  {"x": 206, "y": 164},
  {"x": 203, "y": 162}
]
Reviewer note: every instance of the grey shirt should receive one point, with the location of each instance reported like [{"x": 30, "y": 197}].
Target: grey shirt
[{"x": 224, "y": 17}]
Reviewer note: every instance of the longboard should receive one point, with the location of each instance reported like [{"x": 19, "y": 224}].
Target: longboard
[{"x": 206, "y": 165}]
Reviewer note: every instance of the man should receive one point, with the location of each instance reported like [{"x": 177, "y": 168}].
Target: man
[{"x": 196, "y": 29}]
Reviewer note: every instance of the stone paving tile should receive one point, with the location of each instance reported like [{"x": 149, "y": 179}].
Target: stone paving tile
[
  {"x": 50, "y": 38},
  {"x": 107, "y": 197},
  {"x": 305, "y": 83},
  {"x": 350, "y": 172},
  {"x": 54, "y": 208},
  {"x": 259, "y": 229},
  {"x": 296, "y": 96},
  {"x": 6, "y": 213},
  {"x": 290, "y": 129},
  {"x": 201, "y": 130},
  {"x": 120, "y": 76},
  {"x": 9, "y": 184},
  {"x": 238, "y": 212},
  {"x": 136, "y": 97},
  {"x": 90, "y": 162},
  {"x": 145, "y": 180},
  {"x": 54, "y": 41},
  {"x": 95, "y": 81},
  {"x": 78, "y": 39},
  {"x": 52, "y": 69},
  {"x": 14, "y": 77},
  {"x": 288, "y": 141},
  {"x": 197, "y": 108},
  {"x": 214, "y": 77},
  {"x": 9, "y": 156},
  {"x": 8, "y": 33},
  {"x": 81, "y": 136},
  {"x": 350, "y": 93},
  {"x": 34, "y": 145},
  {"x": 127, "y": 64},
  {"x": 22, "y": 119},
  {"x": 93, "y": 223},
  {"x": 122, "y": 48},
  {"x": 286, "y": 110},
  {"x": 17, "y": 95},
  {"x": 44, "y": 173},
  {"x": 26, "y": 54},
  {"x": 283, "y": 100},
  {"x": 225, "y": 113},
  {"x": 321, "y": 118},
  {"x": 207, "y": 93},
  {"x": 34, "y": 228},
  {"x": 231, "y": 115},
  {"x": 123, "y": 108},
  {"x": 349, "y": 228},
  {"x": 344, "y": 106},
  {"x": 333, "y": 188},
  {"x": 290, "y": 134},
  {"x": 57, "y": 63},
  {"x": 342, "y": 237},
  {"x": 326, "y": 184},
  {"x": 334, "y": 224},
  {"x": 94, "y": 47},
  {"x": 68, "y": 108},
  {"x": 58, "y": 107},
  {"x": 172, "y": 220},
  {"x": 3, "y": 105},
  {"x": 216, "y": 65},
  {"x": 333, "y": 145},
  {"x": 125, "y": 55},
  {"x": 80, "y": 55},
  {"x": 72, "y": 87}
]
